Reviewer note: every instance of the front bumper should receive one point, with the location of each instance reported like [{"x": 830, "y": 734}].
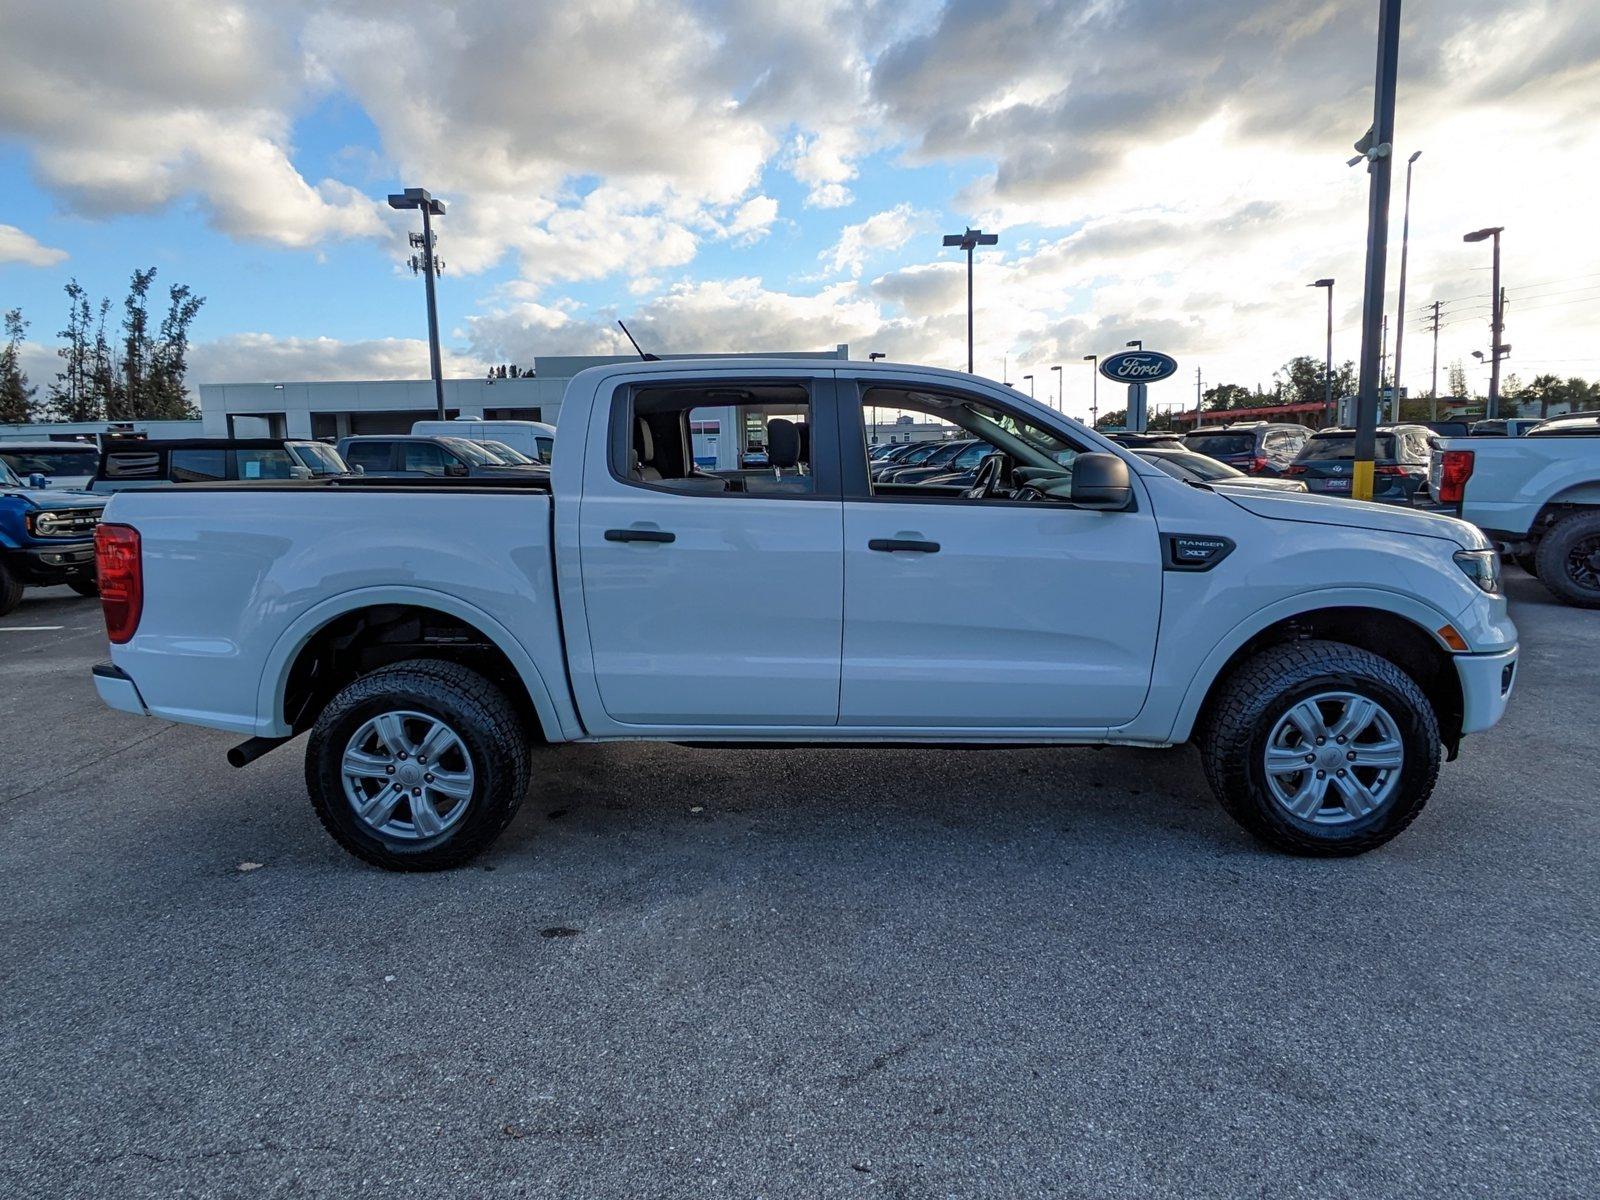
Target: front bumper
[
  {"x": 1487, "y": 681},
  {"x": 117, "y": 690},
  {"x": 46, "y": 565}
]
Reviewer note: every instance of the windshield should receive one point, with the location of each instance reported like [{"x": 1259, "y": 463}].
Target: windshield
[
  {"x": 71, "y": 462},
  {"x": 505, "y": 453},
  {"x": 1325, "y": 447},
  {"x": 7, "y": 478},
  {"x": 1221, "y": 443},
  {"x": 470, "y": 451},
  {"x": 320, "y": 459}
]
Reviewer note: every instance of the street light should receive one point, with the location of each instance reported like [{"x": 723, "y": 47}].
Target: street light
[
  {"x": 1028, "y": 379},
  {"x": 1094, "y": 395},
  {"x": 1137, "y": 343},
  {"x": 1405, "y": 241},
  {"x": 1061, "y": 391},
  {"x": 968, "y": 241},
  {"x": 875, "y": 356},
  {"x": 419, "y": 198},
  {"x": 1327, "y": 369},
  {"x": 1496, "y": 318}
]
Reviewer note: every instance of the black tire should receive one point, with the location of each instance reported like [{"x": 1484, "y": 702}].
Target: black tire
[
  {"x": 10, "y": 591},
  {"x": 489, "y": 728},
  {"x": 1233, "y": 743},
  {"x": 85, "y": 587},
  {"x": 1568, "y": 559}
]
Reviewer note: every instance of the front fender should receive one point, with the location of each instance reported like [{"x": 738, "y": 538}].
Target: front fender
[
  {"x": 558, "y": 721},
  {"x": 1424, "y": 616}
]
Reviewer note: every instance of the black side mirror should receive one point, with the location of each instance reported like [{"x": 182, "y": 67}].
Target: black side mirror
[
  {"x": 1100, "y": 481},
  {"x": 455, "y": 468}
]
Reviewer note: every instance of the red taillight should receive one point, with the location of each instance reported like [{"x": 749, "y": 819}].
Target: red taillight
[
  {"x": 1388, "y": 470},
  {"x": 1258, "y": 465},
  {"x": 1455, "y": 468},
  {"x": 121, "y": 574},
  {"x": 1295, "y": 469}
]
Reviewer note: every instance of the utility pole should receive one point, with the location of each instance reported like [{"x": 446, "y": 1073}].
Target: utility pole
[
  {"x": 428, "y": 266},
  {"x": 969, "y": 240},
  {"x": 1376, "y": 149},
  {"x": 1433, "y": 387},
  {"x": 1197, "y": 392},
  {"x": 1405, "y": 246}
]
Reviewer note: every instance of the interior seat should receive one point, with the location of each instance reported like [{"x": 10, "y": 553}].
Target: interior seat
[
  {"x": 647, "y": 469},
  {"x": 783, "y": 454}
]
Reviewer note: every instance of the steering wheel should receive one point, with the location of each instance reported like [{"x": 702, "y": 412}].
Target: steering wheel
[{"x": 987, "y": 481}]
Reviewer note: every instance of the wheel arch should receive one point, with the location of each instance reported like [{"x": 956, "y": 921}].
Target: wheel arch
[
  {"x": 1393, "y": 627},
  {"x": 309, "y": 661}
]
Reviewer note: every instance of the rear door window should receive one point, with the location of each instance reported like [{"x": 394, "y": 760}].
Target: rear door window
[
  {"x": 1221, "y": 443},
  {"x": 425, "y": 458},
  {"x": 198, "y": 466},
  {"x": 263, "y": 464}
]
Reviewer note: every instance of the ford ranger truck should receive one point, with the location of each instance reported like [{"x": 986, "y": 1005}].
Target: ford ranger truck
[
  {"x": 1324, "y": 656},
  {"x": 1537, "y": 496},
  {"x": 46, "y": 538}
]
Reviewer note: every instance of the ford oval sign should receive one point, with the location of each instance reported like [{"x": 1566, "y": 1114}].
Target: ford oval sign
[{"x": 1138, "y": 366}]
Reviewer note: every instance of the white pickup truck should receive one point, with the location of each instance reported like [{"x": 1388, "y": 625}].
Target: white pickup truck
[
  {"x": 1537, "y": 496},
  {"x": 1323, "y": 654}
]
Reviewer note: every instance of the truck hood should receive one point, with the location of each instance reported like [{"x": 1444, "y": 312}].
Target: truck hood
[
  {"x": 53, "y": 499},
  {"x": 1356, "y": 514}
]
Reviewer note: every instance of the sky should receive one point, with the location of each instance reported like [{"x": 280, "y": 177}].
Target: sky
[{"x": 737, "y": 175}]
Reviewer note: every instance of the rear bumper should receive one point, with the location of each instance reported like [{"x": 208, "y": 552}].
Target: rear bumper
[
  {"x": 1487, "y": 681},
  {"x": 42, "y": 566},
  {"x": 117, "y": 690}
]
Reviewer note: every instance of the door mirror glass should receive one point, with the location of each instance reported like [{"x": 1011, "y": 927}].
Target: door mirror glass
[
  {"x": 1100, "y": 481},
  {"x": 455, "y": 468}
]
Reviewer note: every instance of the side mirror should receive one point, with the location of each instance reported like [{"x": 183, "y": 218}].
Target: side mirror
[
  {"x": 37, "y": 480},
  {"x": 455, "y": 468},
  {"x": 1100, "y": 481}
]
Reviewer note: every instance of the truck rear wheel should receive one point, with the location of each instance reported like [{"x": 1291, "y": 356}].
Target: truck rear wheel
[
  {"x": 10, "y": 591},
  {"x": 1569, "y": 559},
  {"x": 1321, "y": 748},
  {"x": 418, "y": 766}
]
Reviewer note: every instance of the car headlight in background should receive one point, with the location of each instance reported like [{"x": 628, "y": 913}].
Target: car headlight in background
[
  {"x": 68, "y": 522},
  {"x": 1482, "y": 567}
]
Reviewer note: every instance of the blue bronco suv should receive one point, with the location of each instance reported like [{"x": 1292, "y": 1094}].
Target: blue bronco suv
[{"x": 46, "y": 538}]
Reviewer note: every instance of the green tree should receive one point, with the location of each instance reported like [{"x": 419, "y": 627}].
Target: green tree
[
  {"x": 105, "y": 385},
  {"x": 137, "y": 350},
  {"x": 166, "y": 395},
  {"x": 16, "y": 395},
  {"x": 71, "y": 395},
  {"x": 1304, "y": 380},
  {"x": 1458, "y": 381},
  {"x": 1228, "y": 395}
]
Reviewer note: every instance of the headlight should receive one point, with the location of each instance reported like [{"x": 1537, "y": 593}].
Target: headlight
[{"x": 1482, "y": 567}]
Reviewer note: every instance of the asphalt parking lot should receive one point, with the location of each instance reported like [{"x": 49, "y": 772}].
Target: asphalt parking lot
[{"x": 791, "y": 973}]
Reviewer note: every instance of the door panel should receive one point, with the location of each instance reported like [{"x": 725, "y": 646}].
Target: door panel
[{"x": 1033, "y": 615}]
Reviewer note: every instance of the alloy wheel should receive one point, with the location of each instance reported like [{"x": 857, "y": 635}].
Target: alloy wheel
[
  {"x": 1334, "y": 758},
  {"x": 407, "y": 775}
]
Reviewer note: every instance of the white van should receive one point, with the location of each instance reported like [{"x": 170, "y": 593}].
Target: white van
[{"x": 533, "y": 438}]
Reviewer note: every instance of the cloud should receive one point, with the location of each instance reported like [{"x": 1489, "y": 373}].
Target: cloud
[
  {"x": 887, "y": 230},
  {"x": 19, "y": 247},
  {"x": 261, "y": 357}
]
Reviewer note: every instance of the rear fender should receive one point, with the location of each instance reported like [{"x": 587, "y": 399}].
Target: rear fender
[{"x": 559, "y": 722}]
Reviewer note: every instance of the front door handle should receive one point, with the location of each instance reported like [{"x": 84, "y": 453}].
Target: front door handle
[
  {"x": 893, "y": 544},
  {"x": 640, "y": 535}
]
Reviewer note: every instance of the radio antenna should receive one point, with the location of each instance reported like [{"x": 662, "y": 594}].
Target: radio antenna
[{"x": 631, "y": 338}]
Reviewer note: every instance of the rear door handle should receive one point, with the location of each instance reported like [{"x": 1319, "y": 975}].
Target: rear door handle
[
  {"x": 892, "y": 544},
  {"x": 640, "y": 535}
]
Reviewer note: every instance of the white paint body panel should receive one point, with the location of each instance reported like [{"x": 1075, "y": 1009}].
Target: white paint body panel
[{"x": 767, "y": 618}]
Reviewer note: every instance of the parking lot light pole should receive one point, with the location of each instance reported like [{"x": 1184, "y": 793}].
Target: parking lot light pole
[
  {"x": 419, "y": 198},
  {"x": 1405, "y": 246},
  {"x": 1376, "y": 149},
  {"x": 1028, "y": 379},
  {"x": 1327, "y": 367},
  {"x": 1094, "y": 383},
  {"x": 1137, "y": 343},
  {"x": 968, "y": 241},
  {"x": 1496, "y": 319},
  {"x": 1061, "y": 391}
]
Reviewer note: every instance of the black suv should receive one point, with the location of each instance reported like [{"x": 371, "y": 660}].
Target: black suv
[
  {"x": 1254, "y": 447},
  {"x": 1400, "y": 463}
]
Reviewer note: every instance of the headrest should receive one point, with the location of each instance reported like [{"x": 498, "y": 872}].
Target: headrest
[
  {"x": 804, "y": 429},
  {"x": 644, "y": 442},
  {"x": 783, "y": 443}
]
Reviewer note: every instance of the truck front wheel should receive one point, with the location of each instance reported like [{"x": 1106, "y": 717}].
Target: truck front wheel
[
  {"x": 1569, "y": 559},
  {"x": 1321, "y": 748},
  {"x": 418, "y": 766}
]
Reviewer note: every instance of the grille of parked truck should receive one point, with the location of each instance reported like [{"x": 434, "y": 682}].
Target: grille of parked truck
[{"x": 426, "y": 635}]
